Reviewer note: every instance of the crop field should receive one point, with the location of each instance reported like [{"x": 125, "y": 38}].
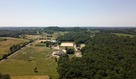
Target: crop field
[
  {"x": 6, "y": 44},
  {"x": 24, "y": 62}
]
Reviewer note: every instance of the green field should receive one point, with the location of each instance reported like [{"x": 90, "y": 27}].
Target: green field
[
  {"x": 32, "y": 36},
  {"x": 24, "y": 62},
  {"x": 6, "y": 44},
  {"x": 1, "y": 39},
  {"x": 57, "y": 34},
  {"x": 121, "y": 34},
  {"x": 68, "y": 47}
]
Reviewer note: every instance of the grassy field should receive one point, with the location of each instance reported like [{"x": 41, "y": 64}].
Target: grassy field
[
  {"x": 26, "y": 60},
  {"x": 1, "y": 39},
  {"x": 32, "y": 36},
  {"x": 64, "y": 47},
  {"x": 29, "y": 77},
  {"x": 40, "y": 44},
  {"x": 5, "y": 45},
  {"x": 121, "y": 34},
  {"x": 57, "y": 34}
]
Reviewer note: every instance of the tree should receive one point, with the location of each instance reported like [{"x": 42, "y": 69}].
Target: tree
[
  {"x": 70, "y": 51},
  {"x": 6, "y": 76}
]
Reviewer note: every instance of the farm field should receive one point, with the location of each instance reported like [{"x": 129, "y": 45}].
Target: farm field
[
  {"x": 57, "y": 34},
  {"x": 6, "y": 44},
  {"x": 27, "y": 59},
  {"x": 29, "y": 77},
  {"x": 32, "y": 36},
  {"x": 121, "y": 34}
]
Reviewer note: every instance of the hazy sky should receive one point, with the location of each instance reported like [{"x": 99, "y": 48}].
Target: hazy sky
[{"x": 67, "y": 12}]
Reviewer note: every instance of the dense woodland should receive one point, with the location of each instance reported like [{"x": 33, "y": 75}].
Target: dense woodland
[
  {"x": 77, "y": 37},
  {"x": 16, "y": 33},
  {"x": 106, "y": 56},
  {"x": 125, "y": 30},
  {"x": 51, "y": 30}
]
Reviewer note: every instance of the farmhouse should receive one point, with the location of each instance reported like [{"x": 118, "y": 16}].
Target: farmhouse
[{"x": 67, "y": 44}]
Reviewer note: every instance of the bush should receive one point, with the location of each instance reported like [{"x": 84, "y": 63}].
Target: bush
[
  {"x": 70, "y": 51},
  {"x": 6, "y": 76}
]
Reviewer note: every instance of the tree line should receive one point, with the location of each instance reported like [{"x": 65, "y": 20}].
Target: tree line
[
  {"x": 51, "y": 30},
  {"x": 16, "y": 33}
]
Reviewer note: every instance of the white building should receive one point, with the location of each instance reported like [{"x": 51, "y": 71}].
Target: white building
[{"x": 67, "y": 44}]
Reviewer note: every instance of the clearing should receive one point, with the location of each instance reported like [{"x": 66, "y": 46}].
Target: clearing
[{"x": 122, "y": 34}]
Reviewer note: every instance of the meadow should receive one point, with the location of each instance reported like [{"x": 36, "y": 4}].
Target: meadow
[
  {"x": 32, "y": 36},
  {"x": 27, "y": 59},
  {"x": 122, "y": 34},
  {"x": 7, "y": 43}
]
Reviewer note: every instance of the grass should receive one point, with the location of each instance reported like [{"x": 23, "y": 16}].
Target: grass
[
  {"x": 24, "y": 62},
  {"x": 40, "y": 44},
  {"x": 29, "y": 77},
  {"x": 121, "y": 34},
  {"x": 2, "y": 39},
  {"x": 5, "y": 45},
  {"x": 56, "y": 34},
  {"x": 32, "y": 36},
  {"x": 64, "y": 47}
]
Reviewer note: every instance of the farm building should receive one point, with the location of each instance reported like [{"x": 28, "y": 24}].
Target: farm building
[
  {"x": 58, "y": 53},
  {"x": 67, "y": 44},
  {"x": 78, "y": 53},
  {"x": 53, "y": 41},
  {"x": 82, "y": 45}
]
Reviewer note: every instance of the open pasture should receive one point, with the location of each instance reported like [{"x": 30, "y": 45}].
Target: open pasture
[
  {"x": 30, "y": 77},
  {"x": 6, "y": 44},
  {"x": 32, "y": 36},
  {"x": 26, "y": 60},
  {"x": 121, "y": 34}
]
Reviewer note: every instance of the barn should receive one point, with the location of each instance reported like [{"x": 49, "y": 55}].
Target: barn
[{"x": 67, "y": 44}]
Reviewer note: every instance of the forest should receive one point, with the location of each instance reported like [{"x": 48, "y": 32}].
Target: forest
[
  {"x": 106, "y": 56},
  {"x": 77, "y": 37}
]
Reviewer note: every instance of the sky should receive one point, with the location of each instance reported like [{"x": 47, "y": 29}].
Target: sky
[{"x": 67, "y": 12}]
